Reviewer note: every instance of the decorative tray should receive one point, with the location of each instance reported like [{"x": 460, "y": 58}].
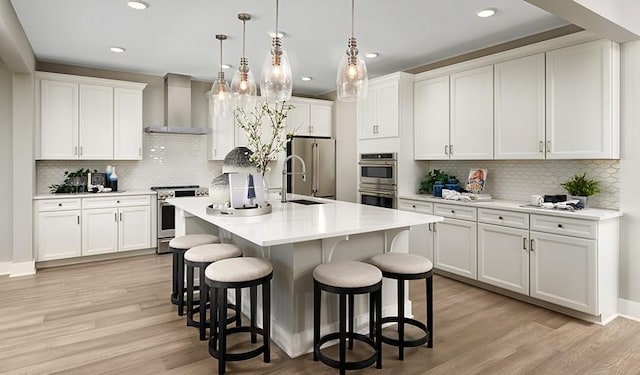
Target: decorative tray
[{"x": 239, "y": 212}]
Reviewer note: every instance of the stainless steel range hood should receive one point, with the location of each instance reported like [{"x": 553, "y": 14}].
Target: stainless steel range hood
[{"x": 177, "y": 108}]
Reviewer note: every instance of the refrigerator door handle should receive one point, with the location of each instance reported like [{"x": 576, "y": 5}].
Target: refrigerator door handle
[{"x": 316, "y": 166}]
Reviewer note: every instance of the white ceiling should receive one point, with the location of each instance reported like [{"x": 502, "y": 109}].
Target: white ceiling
[{"x": 177, "y": 36}]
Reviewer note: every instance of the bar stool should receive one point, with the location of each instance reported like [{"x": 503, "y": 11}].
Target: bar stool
[
  {"x": 348, "y": 278},
  {"x": 178, "y": 246},
  {"x": 402, "y": 267},
  {"x": 235, "y": 273},
  {"x": 200, "y": 257}
]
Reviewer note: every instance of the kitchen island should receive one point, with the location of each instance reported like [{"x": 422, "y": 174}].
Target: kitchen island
[{"x": 296, "y": 238}]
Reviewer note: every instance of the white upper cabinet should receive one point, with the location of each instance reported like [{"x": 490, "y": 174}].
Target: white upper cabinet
[
  {"x": 127, "y": 124},
  {"x": 582, "y": 87},
  {"x": 88, "y": 118},
  {"x": 471, "y": 129},
  {"x": 96, "y": 122},
  {"x": 310, "y": 117},
  {"x": 58, "y": 120},
  {"x": 431, "y": 119},
  {"x": 519, "y": 108},
  {"x": 222, "y": 138},
  {"x": 379, "y": 115}
]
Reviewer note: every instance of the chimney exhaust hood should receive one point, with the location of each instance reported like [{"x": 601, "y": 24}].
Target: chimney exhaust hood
[{"x": 177, "y": 107}]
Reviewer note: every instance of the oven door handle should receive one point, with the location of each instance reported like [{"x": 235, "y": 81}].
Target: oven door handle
[
  {"x": 375, "y": 164},
  {"x": 379, "y": 193}
]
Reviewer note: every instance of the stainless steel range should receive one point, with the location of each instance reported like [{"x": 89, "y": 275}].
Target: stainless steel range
[{"x": 167, "y": 212}]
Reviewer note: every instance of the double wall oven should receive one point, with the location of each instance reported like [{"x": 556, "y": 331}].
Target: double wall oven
[
  {"x": 167, "y": 212},
  {"x": 378, "y": 179}
]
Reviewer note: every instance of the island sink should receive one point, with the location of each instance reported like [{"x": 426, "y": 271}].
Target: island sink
[{"x": 306, "y": 202}]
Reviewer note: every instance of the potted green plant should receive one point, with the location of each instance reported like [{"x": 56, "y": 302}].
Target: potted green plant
[
  {"x": 580, "y": 187},
  {"x": 426, "y": 185}
]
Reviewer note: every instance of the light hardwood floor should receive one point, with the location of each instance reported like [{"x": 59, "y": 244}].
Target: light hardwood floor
[{"x": 114, "y": 317}]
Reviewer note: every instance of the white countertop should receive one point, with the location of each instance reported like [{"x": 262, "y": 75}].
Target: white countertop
[
  {"x": 293, "y": 222},
  {"x": 587, "y": 213},
  {"x": 92, "y": 195}
]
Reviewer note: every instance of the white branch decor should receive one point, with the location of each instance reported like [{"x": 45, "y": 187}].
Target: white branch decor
[{"x": 252, "y": 122}]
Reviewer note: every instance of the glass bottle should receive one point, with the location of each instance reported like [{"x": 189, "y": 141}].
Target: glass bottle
[
  {"x": 107, "y": 175},
  {"x": 113, "y": 180}
]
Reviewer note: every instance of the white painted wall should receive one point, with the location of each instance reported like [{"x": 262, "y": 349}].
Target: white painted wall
[
  {"x": 6, "y": 164},
  {"x": 630, "y": 173}
]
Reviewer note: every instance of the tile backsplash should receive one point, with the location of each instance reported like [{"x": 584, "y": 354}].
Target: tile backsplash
[
  {"x": 516, "y": 180},
  {"x": 168, "y": 159}
]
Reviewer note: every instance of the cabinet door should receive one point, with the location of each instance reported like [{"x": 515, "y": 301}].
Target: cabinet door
[
  {"x": 321, "y": 120},
  {"x": 420, "y": 237},
  {"x": 582, "y": 114},
  {"x": 368, "y": 114},
  {"x": 503, "y": 257},
  {"x": 127, "y": 124},
  {"x": 134, "y": 228},
  {"x": 96, "y": 122},
  {"x": 388, "y": 110},
  {"x": 58, "y": 235},
  {"x": 431, "y": 119},
  {"x": 563, "y": 271},
  {"x": 455, "y": 247},
  {"x": 99, "y": 231},
  {"x": 58, "y": 120},
  {"x": 472, "y": 114},
  {"x": 519, "y": 108},
  {"x": 298, "y": 119}
]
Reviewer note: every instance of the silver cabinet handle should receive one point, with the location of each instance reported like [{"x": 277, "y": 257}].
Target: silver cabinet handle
[
  {"x": 435, "y": 227},
  {"x": 78, "y": 219},
  {"x": 115, "y": 216},
  {"x": 446, "y": 149},
  {"x": 540, "y": 146},
  {"x": 75, "y": 150},
  {"x": 429, "y": 225},
  {"x": 524, "y": 243},
  {"x": 80, "y": 150},
  {"x": 548, "y": 146},
  {"x": 451, "y": 149},
  {"x": 120, "y": 216}
]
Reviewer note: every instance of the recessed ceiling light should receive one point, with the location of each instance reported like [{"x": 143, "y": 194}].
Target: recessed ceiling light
[
  {"x": 273, "y": 34},
  {"x": 484, "y": 13},
  {"x": 306, "y": 78},
  {"x": 138, "y": 5},
  {"x": 117, "y": 49},
  {"x": 371, "y": 55},
  {"x": 227, "y": 66}
]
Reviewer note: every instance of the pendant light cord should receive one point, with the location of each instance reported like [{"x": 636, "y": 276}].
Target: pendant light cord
[
  {"x": 220, "y": 55},
  {"x": 244, "y": 24},
  {"x": 277, "y": 18},
  {"x": 353, "y": 6}
]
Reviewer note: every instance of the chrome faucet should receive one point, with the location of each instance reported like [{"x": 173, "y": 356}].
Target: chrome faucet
[{"x": 285, "y": 173}]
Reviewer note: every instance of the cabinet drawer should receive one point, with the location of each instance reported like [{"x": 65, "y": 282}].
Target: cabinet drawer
[
  {"x": 116, "y": 201},
  {"x": 506, "y": 218},
  {"x": 455, "y": 211},
  {"x": 58, "y": 204},
  {"x": 415, "y": 206},
  {"x": 564, "y": 226}
]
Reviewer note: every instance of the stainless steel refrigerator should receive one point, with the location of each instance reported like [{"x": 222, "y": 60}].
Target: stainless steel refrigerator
[{"x": 319, "y": 155}]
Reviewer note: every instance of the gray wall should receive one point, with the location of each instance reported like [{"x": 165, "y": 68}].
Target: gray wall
[{"x": 6, "y": 164}]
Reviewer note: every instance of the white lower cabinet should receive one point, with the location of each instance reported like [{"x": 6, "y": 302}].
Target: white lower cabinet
[
  {"x": 57, "y": 231},
  {"x": 564, "y": 271},
  {"x": 503, "y": 257},
  {"x": 420, "y": 238},
  {"x": 455, "y": 247},
  {"x": 67, "y": 228}
]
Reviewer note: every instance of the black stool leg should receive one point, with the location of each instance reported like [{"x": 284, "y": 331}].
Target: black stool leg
[
  {"x": 253, "y": 301},
  {"x": 430, "y": 310},
  {"x": 174, "y": 281},
  {"x": 317, "y": 294},
  {"x": 190, "y": 282},
  {"x": 350, "y": 335},
  {"x": 222, "y": 337},
  {"x": 378, "y": 297},
  {"x": 343, "y": 332},
  {"x": 213, "y": 318},
  {"x": 400, "y": 319},
  {"x": 266, "y": 320},
  {"x": 204, "y": 294},
  {"x": 180, "y": 282},
  {"x": 239, "y": 307},
  {"x": 372, "y": 320}
]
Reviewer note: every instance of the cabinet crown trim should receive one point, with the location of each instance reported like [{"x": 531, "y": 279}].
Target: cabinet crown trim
[{"x": 89, "y": 80}]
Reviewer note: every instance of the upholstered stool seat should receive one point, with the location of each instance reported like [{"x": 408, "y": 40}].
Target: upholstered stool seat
[
  {"x": 178, "y": 246},
  {"x": 236, "y": 273},
  {"x": 348, "y": 278},
  {"x": 201, "y": 257},
  {"x": 402, "y": 267}
]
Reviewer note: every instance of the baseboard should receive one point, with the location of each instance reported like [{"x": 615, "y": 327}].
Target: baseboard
[
  {"x": 5, "y": 268},
  {"x": 629, "y": 309},
  {"x": 18, "y": 269}
]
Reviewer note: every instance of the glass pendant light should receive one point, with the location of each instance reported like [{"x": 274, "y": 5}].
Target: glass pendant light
[
  {"x": 276, "y": 81},
  {"x": 220, "y": 90},
  {"x": 243, "y": 85},
  {"x": 352, "y": 79}
]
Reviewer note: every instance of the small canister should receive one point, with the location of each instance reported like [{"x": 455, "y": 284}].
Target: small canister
[
  {"x": 437, "y": 189},
  {"x": 452, "y": 184}
]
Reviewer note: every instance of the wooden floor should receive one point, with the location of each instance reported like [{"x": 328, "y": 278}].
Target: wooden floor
[{"x": 115, "y": 317}]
